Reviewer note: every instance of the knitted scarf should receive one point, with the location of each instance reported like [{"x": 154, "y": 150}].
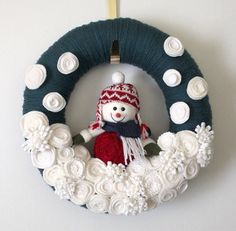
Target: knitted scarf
[{"x": 130, "y": 133}]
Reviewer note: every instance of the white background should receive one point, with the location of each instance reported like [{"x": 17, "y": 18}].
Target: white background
[{"x": 208, "y": 31}]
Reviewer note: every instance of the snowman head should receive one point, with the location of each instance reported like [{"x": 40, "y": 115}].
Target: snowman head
[
  {"x": 118, "y": 111},
  {"x": 118, "y": 102}
]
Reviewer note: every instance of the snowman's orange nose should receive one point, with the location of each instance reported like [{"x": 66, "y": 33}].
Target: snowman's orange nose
[{"x": 118, "y": 115}]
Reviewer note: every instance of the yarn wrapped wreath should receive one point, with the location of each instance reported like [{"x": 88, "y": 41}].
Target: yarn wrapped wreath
[{"x": 106, "y": 187}]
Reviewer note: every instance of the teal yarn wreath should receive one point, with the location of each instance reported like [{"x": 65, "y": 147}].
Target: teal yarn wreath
[
  {"x": 178, "y": 76},
  {"x": 140, "y": 45}
]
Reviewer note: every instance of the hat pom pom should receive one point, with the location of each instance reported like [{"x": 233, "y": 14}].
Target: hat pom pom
[{"x": 118, "y": 77}]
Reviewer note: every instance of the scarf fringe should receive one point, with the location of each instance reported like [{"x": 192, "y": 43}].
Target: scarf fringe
[{"x": 132, "y": 147}]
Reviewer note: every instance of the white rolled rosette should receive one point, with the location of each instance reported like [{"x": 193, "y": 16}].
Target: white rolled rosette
[
  {"x": 167, "y": 141},
  {"x": 35, "y": 76},
  {"x": 187, "y": 142},
  {"x": 104, "y": 186},
  {"x": 54, "y": 102},
  {"x": 182, "y": 186},
  {"x": 167, "y": 195},
  {"x": 173, "y": 47},
  {"x": 83, "y": 191},
  {"x": 172, "y": 78},
  {"x": 197, "y": 88},
  {"x": 81, "y": 153},
  {"x": 43, "y": 159},
  {"x": 95, "y": 169},
  {"x": 75, "y": 168},
  {"x": 119, "y": 204},
  {"x": 32, "y": 121},
  {"x": 170, "y": 179},
  {"x": 98, "y": 204},
  {"x": 119, "y": 186},
  {"x": 52, "y": 174},
  {"x": 191, "y": 169},
  {"x": 152, "y": 183},
  {"x": 179, "y": 112},
  {"x": 65, "y": 154},
  {"x": 67, "y": 63},
  {"x": 61, "y": 136}
]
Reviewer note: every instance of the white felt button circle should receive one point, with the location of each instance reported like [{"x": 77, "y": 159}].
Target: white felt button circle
[
  {"x": 173, "y": 47},
  {"x": 197, "y": 88},
  {"x": 54, "y": 102},
  {"x": 172, "y": 78},
  {"x": 179, "y": 112},
  {"x": 67, "y": 63},
  {"x": 35, "y": 76}
]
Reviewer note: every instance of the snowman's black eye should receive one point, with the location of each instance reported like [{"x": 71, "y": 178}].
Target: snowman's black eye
[
  {"x": 114, "y": 108},
  {"x": 123, "y": 109}
]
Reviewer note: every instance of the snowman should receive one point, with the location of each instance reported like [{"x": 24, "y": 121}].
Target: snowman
[{"x": 120, "y": 134}]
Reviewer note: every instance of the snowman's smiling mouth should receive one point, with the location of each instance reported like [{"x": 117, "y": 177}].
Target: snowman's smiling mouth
[{"x": 120, "y": 120}]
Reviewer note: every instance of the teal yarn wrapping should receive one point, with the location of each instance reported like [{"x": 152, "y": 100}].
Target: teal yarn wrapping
[{"x": 140, "y": 45}]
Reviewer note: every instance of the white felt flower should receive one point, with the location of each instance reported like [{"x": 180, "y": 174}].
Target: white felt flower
[
  {"x": 167, "y": 141},
  {"x": 35, "y": 76},
  {"x": 54, "y": 102},
  {"x": 95, "y": 169},
  {"x": 104, "y": 186},
  {"x": 65, "y": 188},
  {"x": 191, "y": 169},
  {"x": 197, "y": 88},
  {"x": 119, "y": 205},
  {"x": 173, "y": 47},
  {"x": 67, "y": 63},
  {"x": 61, "y": 136},
  {"x": 43, "y": 159},
  {"x": 182, "y": 186},
  {"x": 32, "y": 121},
  {"x": 179, "y": 112},
  {"x": 83, "y": 191},
  {"x": 153, "y": 183},
  {"x": 172, "y": 78},
  {"x": 75, "y": 168},
  {"x": 81, "y": 153},
  {"x": 65, "y": 154},
  {"x": 167, "y": 195},
  {"x": 98, "y": 204},
  {"x": 52, "y": 174},
  {"x": 187, "y": 142},
  {"x": 170, "y": 179}
]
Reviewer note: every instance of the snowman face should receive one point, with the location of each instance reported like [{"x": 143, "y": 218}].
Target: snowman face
[{"x": 118, "y": 112}]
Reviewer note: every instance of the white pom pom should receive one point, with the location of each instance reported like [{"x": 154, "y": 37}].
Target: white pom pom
[{"x": 118, "y": 77}]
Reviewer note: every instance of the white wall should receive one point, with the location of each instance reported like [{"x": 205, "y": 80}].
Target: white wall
[{"x": 207, "y": 28}]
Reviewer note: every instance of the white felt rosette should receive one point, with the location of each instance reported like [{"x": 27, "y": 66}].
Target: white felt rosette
[
  {"x": 81, "y": 153},
  {"x": 197, "y": 88},
  {"x": 54, "y": 102},
  {"x": 187, "y": 142},
  {"x": 43, "y": 159},
  {"x": 191, "y": 170},
  {"x": 61, "y": 136},
  {"x": 67, "y": 63},
  {"x": 105, "y": 186},
  {"x": 119, "y": 205},
  {"x": 173, "y": 47},
  {"x": 32, "y": 121},
  {"x": 98, "y": 204},
  {"x": 83, "y": 191},
  {"x": 167, "y": 141},
  {"x": 65, "y": 154},
  {"x": 75, "y": 168},
  {"x": 167, "y": 195},
  {"x": 52, "y": 174},
  {"x": 95, "y": 170}
]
